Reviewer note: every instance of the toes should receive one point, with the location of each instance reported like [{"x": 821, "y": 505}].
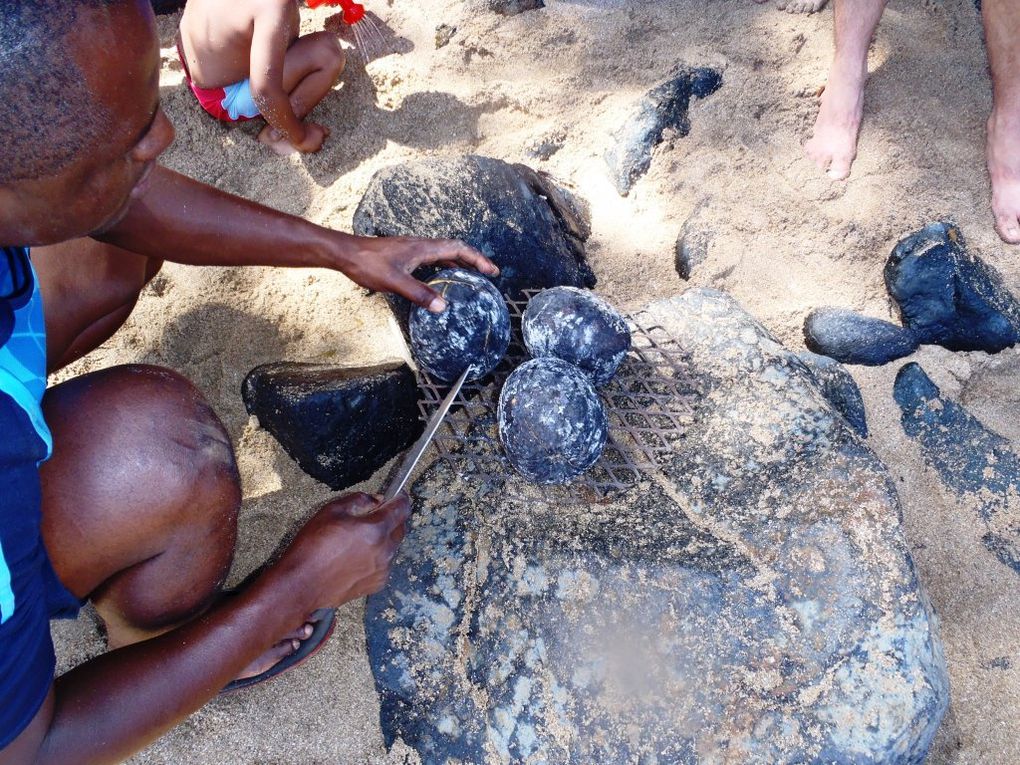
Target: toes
[
  {"x": 1008, "y": 228},
  {"x": 839, "y": 168}
]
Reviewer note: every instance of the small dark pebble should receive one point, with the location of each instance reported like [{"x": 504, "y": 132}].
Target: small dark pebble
[
  {"x": 513, "y": 7},
  {"x": 854, "y": 339},
  {"x": 444, "y": 33}
]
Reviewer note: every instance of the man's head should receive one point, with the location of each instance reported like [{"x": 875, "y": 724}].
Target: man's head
[{"x": 79, "y": 106}]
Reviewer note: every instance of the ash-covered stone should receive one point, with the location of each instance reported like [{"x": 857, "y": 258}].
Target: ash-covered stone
[
  {"x": 754, "y": 601},
  {"x": 472, "y": 333},
  {"x": 579, "y": 327},
  {"x": 839, "y": 387},
  {"x": 552, "y": 423},
  {"x": 340, "y": 424}
]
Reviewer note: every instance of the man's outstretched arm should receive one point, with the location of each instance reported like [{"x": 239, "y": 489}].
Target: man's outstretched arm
[
  {"x": 184, "y": 221},
  {"x": 115, "y": 704}
]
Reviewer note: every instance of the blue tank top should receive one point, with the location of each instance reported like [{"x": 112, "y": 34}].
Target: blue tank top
[{"x": 26, "y": 650}]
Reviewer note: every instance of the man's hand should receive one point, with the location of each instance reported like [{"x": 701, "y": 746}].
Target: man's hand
[
  {"x": 315, "y": 136},
  {"x": 385, "y": 264},
  {"x": 345, "y": 550}
]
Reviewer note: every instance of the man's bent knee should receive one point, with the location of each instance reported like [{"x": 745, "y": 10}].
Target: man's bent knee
[{"x": 140, "y": 462}]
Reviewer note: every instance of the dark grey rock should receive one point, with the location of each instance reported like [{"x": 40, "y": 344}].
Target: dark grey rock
[
  {"x": 691, "y": 250},
  {"x": 664, "y": 107},
  {"x": 949, "y": 296},
  {"x": 839, "y": 388},
  {"x": 552, "y": 422},
  {"x": 472, "y": 333},
  {"x": 752, "y": 602},
  {"x": 339, "y": 424},
  {"x": 579, "y": 327},
  {"x": 854, "y": 339},
  {"x": 547, "y": 145},
  {"x": 513, "y": 7},
  {"x": 532, "y": 229},
  {"x": 978, "y": 465},
  {"x": 444, "y": 33}
]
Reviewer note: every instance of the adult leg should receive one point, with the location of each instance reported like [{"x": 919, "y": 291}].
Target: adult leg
[
  {"x": 1002, "y": 32},
  {"x": 140, "y": 497},
  {"x": 310, "y": 70},
  {"x": 833, "y": 145}
]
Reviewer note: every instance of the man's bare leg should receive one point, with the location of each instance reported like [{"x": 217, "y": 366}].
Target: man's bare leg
[
  {"x": 1002, "y": 32},
  {"x": 798, "y": 6},
  {"x": 310, "y": 70},
  {"x": 140, "y": 498},
  {"x": 833, "y": 145}
]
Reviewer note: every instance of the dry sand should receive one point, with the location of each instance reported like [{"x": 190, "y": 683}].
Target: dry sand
[{"x": 785, "y": 240}]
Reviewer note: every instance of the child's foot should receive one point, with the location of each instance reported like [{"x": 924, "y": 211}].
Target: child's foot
[
  {"x": 1004, "y": 168},
  {"x": 271, "y": 137},
  {"x": 798, "y": 6},
  {"x": 833, "y": 145}
]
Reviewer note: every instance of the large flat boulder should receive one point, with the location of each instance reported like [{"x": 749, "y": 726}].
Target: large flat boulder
[{"x": 753, "y": 601}]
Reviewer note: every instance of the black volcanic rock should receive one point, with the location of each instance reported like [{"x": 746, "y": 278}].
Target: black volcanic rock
[
  {"x": 662, "y": 108},
  {"x": 340, "y": 424}
]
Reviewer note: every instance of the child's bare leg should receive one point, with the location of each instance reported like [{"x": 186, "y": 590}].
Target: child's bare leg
[{"x": 310, "y": 70}]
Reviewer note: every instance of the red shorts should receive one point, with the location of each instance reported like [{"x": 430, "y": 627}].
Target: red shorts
[{"x": 213, "y": 100}]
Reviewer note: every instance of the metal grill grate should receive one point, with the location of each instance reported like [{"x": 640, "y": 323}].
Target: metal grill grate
[{"x": 648, "y": 403}]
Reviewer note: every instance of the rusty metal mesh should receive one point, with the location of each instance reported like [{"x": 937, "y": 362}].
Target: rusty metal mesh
[{"x": 648, "y": 404}]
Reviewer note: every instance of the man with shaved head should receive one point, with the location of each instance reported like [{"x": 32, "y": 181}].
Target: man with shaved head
[{"x": 120, "y": 486}]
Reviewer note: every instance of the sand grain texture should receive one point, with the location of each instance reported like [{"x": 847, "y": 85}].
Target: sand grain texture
[{"x": 784, "y": 240}]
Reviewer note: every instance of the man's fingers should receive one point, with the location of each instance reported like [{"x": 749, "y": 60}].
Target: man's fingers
[
  {"x": 420, "y": 294},
  {"x": 397, "y": 510},
  {"x": 469, "y": 256},
  {"x": 458, "y": 252},
  {"x": 360, "y": 504}
]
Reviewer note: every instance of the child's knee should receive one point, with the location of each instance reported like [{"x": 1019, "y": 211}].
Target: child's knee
[{"x": 330, "y": 53}]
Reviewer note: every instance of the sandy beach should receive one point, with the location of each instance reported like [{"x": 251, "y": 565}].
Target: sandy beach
[{"x": 784, "y": 240}]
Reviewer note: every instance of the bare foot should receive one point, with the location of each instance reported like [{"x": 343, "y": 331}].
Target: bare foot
[
  {"x": 833, "y": 145},
  {"x": 798, "y": 6},
  {"x": 270, "y": 136},
  {"x": 278, "y": 652},
  {"x": 1004, "y": 168}
]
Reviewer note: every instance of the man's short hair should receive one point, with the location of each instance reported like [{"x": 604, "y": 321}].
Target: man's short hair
[{"x": 47, "y": 115}]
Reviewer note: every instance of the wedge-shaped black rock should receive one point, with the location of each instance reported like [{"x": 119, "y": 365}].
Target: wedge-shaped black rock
[
  {"x": 551, "y": 421},
  {"x": 532, "y": 229},
  {"x": 340, "y": 424},
  {"x": 949, "y": 296},
  {"x": 472, "y": 333},
  {"x": 854, "y": 339},
  {"x": 663, "y": 107}
]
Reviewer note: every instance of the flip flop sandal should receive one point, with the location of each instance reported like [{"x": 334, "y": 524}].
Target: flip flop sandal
[{"x": 309, "y": 647}]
